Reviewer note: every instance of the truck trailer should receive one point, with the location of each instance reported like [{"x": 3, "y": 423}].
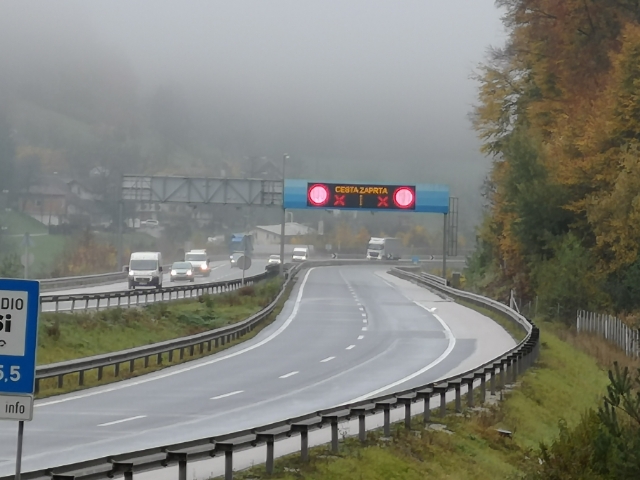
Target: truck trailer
[{"x": 386, "y": 248}]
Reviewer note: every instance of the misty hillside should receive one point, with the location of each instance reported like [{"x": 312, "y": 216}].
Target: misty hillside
[{"x": 157, "y": 89}]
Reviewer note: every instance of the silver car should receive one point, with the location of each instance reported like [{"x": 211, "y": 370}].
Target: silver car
[{"x": 182, "y": 271}]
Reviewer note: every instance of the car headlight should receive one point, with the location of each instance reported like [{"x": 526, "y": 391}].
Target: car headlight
[
  {"x": 204, "y": 267},
  {"x": 189, "y": 272},
  {"x": 231, "y": 257},
  {"x": 131, "y": 273},
  {"x": 173, "y": 272}
]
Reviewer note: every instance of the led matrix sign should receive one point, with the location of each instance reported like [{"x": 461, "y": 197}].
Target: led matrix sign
[{"x": 371, "y": 197}]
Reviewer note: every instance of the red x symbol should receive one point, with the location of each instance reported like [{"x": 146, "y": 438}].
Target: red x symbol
[
  {"x": 339, "y": 201},
  {"x": 383, "y": 201}
]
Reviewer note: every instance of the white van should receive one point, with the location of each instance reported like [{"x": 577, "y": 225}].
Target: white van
[
  {"x": 200, "y": 262},
  {"x": 145, "y": 270},
  {"x": 300, "y": 254}
]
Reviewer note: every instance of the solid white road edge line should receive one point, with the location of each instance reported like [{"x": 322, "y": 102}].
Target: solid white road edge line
[
  {"x": 287, "y": 375},
  {"x": 120, "y": 386},
  {"x": 445, "y": 354},
  {"x": 225, "y": 395},
  {"x": 121, "y": 421}
]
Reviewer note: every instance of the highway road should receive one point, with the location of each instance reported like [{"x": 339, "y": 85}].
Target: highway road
[
  {"x": 345, "y": 333},
  {"x": 220, "y": 271}
]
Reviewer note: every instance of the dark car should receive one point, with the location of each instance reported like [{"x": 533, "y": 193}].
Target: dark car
[{"x": 182, "y": 271}]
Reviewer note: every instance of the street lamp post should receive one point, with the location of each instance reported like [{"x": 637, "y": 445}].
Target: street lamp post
[{"x": 284, "y": 217}]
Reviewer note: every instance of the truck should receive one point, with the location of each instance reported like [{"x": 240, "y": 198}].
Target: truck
[
  {"x": 240, "y": 244},
  {"x": 199, "y": 261},
  {"x": 387, "y": 248},
  {"x": 145, "y": 270}
]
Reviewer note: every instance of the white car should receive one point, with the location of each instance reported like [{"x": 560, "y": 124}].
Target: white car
[{"x": 274, "y": 259}]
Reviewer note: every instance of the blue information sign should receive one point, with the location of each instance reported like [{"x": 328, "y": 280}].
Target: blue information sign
[
  {"x": 315, "y": 195},
  {"x": 19, "y": 309}
]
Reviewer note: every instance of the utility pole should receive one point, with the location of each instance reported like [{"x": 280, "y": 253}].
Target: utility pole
[
  {"x": 444, "y": 249},
  {"x": 284, "y": 218}
]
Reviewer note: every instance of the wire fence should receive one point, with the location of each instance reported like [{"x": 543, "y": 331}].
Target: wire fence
[{"x": 611, "y": 329}]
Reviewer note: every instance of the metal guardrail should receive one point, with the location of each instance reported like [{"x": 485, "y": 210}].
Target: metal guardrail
[
  {"x": 209, "y": 340},
  {"x": 133, "y": 298},
  {"x": 509, "y": 366},
  {"x": 83, "y": 280}
]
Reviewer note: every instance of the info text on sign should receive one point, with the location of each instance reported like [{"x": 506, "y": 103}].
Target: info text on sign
[{"x": 13, "y": 322}]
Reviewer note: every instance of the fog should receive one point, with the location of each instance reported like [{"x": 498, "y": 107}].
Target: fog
[{"x": 366, "y": 90}]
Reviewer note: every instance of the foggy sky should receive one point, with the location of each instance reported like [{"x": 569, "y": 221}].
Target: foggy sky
[{"x": 381, "y": 84}]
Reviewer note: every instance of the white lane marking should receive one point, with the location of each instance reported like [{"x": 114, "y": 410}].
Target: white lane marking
[
  {"x": 282, "y": 328},
  {"x": 364, "y": 329},
  {"x": 287, "y": 375},
  {"x": 364, "y": 314},
  {"x": 360, "y": 337},
  {"x": 445, "y": 354},
  {"x": 121, "y": 421},
  {"x": 350, "y": 347},
  {"x": 225, "y": 395},
  {"x": 431, "y": 310},
  {"x": 361, "y": 308},
  {"x": 328, "y": 359},
  {"x": 364, "y": 320}
]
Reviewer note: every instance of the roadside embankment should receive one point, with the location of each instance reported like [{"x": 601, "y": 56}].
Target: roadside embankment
[{"x": 563, "y": 385}]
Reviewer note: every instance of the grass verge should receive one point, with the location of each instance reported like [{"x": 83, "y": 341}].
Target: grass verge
[
  {"x": 564, "y": 384},
  {"x": 63, "y": 338}
]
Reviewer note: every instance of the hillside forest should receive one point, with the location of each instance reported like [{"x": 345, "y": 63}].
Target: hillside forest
[{"x": 559, "y": 113}]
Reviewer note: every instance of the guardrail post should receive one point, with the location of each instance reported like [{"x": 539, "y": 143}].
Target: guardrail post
[
  {"x": 469, "y": 381},
  {"x": 425, "y": 395},
  {"x": 227, "y": 448},
  {"x": 406, "y": 401},
  {"x": 73, "y": 304},
  {"x": 37, "y": 390},
  {"x": 146, "y": 361},
  {"x": 334, "y": 432},
  {"x": 125, "y": 468},
  {"x": 100, "y": 372},
  {"x": 170, "y": 356},
  {"x": 386, "y": 408},
  {"x": 483, "y": 385},
  {"x": 269, "y": 439},
  {"x": 159, "y": 360},
  {"x": 209, "y": 345},
  {"x": 116, "y": 369},
  {"x": 514, "y": 368},
  {"x": 442, "y": 390},
  {"x": 60, "y": 381},
  {"x": 492, "y": 380},
  {"x": 304, "y": 439},
  {"x": 98, "y": 304},
  {"x": 181, "y": 353},
  {"x": 81, "y": 378},
  {"x": 191, "y": 350},
  {"x": 458, "y": 401},
  {"x": 132, "y": 365},
  {"x": 181, "y": 458}
]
